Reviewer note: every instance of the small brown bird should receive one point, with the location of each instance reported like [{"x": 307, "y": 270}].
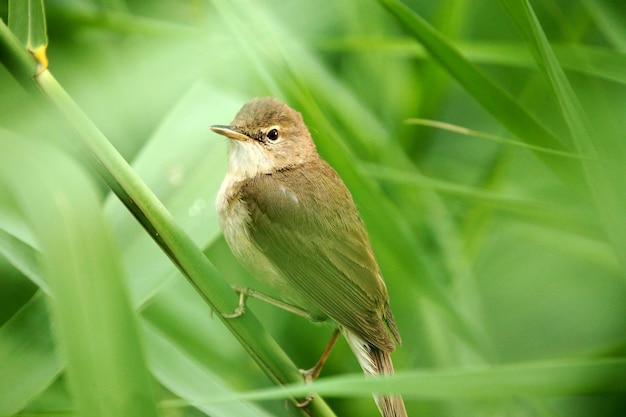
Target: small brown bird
[{"x": 289, "y": 218}]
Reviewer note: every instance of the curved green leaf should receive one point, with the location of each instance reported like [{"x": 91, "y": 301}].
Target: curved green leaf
[
  {"x": 27, "y": 20},
  {"x": 547, "y": 379},
  {"x": 28, "y": 363},
  {"x": 95, "y": 326},
  {"x": 604, "y": 176},
  {"x": 491, "y": 96}
]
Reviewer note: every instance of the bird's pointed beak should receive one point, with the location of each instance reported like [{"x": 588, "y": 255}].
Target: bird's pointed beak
[{"x": 229, "y": 132}]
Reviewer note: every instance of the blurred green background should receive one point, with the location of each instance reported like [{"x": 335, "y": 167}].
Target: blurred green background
[{"x": 498, "y": 245}]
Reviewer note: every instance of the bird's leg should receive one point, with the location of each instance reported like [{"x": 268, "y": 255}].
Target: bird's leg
[
  {"x": 308, "y": 374},
  {"x": 245, "y": 292},
  {"x": 311, "y": 374}
]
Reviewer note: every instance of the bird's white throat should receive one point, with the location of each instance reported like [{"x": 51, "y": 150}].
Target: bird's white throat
[{"x": 247, "y": 160}]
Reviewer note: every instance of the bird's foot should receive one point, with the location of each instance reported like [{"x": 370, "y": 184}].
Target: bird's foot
[
  {"x": 309, "y": 375},
  {"x": 306, "y": 401},
  {"x": 241, "y": 308}
]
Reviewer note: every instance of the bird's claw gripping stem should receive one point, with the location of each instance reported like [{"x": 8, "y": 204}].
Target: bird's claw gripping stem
[{"x": 241, "y": 308}]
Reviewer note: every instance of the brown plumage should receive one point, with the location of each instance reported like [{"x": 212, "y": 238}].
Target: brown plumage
[{"x": 289, "y": 218}]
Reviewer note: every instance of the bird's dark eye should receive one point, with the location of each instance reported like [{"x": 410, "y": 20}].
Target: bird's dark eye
[{"x": 272, "y": 135}]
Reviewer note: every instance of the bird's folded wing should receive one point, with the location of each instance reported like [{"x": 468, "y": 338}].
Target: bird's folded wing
[{"x": 319, "y": 243}]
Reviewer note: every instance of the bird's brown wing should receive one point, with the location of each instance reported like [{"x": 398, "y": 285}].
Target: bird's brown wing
[{"x": 310, "y": 230}]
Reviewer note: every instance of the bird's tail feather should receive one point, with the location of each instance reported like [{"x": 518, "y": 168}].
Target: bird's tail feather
[{"x": 376, "y": 362}]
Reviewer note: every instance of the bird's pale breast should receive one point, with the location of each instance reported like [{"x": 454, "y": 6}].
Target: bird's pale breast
[{"x": 235, "y": 219}]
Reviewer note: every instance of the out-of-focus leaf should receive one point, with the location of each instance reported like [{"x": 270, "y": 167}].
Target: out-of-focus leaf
[
  {"x": 603, "y": 176},
  {"x": 556, "y": 379},
  {"x": 95, "y": 325},
  {"x": 596, "y": 61},
  {"x": 183, "y": 165},
  {"x": 28, "y": 362},
  {"x": 27, "y": 20},
  {"x": 469, "y": 132},
  {"x": 190, "y": 381},
  {"x": 23, "y": 257},
  {"x": 492, "y": 97},
  {"x": 609, "y": 16}
]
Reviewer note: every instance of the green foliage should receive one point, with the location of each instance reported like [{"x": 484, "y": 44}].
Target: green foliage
[
  {"x": 27, "y": 20},
  {"x": 502, "y": 242}
]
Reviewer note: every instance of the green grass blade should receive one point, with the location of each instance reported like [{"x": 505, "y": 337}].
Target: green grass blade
[
  {"x": 595, "y": 61},
  {"x": 493, "y": 98},
  {"x": 90, "y": 304},
  {"x": 28, "y": 363},
  {"x": 607, "y": 63},
  {"x": 21, "y": 65},
  {"x": 470, "y": 132},
  {"x": 484, "y": 383},
  {"x": 548, "y": 215},
  {"x": 23, "y": 257},
  {"x": 27, "y": 20},
  {"x": 603, "y": 177},
  {"x": 610, "y": 21},
  {"x": 185, "y": 178},
  {"x": 190, "y": 380}
]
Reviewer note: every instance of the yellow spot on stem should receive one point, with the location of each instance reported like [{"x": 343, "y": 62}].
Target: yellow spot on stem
[{"x": 41, "y": 57}]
